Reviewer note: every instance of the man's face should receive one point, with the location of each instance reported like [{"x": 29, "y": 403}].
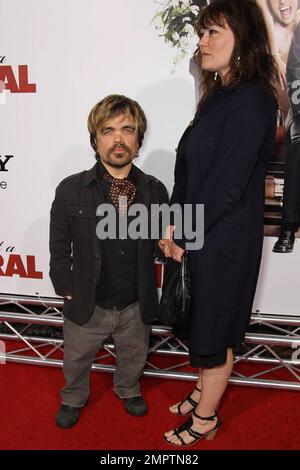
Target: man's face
[
  {"x": 117, "y": 141},
  {"x": 284, "y": 11}
]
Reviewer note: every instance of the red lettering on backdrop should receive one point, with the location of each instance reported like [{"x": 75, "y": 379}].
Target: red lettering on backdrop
[
  {"x": 32, "y": 273},
  {"x": 24, "y": 86},
  {"x": 16, "y": 267},
  {"x": 1, "y": 264},
  {"x": 158, "y": 274},
  {"x": 11, "y": 83},
  {"x": 7, "y": 76}
]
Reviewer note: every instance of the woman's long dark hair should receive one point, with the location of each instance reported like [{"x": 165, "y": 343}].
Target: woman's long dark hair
[{"x": 251, "y": 58}]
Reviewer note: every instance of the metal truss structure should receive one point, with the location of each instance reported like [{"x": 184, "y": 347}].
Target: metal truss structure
[{"x": 31, "y": 333}]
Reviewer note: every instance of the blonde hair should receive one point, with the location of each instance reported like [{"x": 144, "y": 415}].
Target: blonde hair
[{"x": 112, "y": 106}]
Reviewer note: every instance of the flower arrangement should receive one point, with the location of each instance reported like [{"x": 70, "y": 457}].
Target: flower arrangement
[{"x": 175, "y": 21}]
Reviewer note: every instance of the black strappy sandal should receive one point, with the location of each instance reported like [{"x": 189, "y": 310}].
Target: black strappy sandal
[
  {"x": 197, "y": 436},
  {"x": 190, "y": 400}
]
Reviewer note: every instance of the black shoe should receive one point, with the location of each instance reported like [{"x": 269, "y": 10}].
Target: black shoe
[
  {"x": 285, "y": 243},
  {"x": 67, "y": 416},
  {"x": 135, "y": 406}
]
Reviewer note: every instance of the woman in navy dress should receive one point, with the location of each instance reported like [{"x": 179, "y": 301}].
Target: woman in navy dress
[{"x": 221, "y": 163}]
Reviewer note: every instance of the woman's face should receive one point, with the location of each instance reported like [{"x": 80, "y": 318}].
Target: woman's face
[{"x": 216, "y": 45}]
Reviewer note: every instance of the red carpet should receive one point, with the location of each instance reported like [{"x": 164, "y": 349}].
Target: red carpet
[{"x": 252, "y": 418}]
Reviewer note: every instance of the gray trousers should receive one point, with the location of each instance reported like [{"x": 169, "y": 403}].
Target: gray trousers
[{"x": 82, "y": 342}]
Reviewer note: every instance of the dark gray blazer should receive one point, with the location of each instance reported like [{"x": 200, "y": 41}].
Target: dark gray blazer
[{"x": 75, "y": 251}]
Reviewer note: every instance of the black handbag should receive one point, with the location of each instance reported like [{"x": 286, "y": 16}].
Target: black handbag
[{"x": 175, "y": 302}]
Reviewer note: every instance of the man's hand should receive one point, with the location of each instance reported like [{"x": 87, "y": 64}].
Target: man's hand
[{"x": 68, "y": 297}]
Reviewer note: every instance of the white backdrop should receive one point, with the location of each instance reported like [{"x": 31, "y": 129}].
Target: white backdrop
[{"x": 76, "y": 52}]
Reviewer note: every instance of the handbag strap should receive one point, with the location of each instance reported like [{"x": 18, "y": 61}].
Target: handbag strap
[{"x": 183, "y": 270}]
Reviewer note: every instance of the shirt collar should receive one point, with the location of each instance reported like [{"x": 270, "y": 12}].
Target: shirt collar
[{"x": 101, "y": 170}]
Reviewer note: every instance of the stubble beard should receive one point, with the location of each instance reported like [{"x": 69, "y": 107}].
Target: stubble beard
[{"x": 121, "y": 161}]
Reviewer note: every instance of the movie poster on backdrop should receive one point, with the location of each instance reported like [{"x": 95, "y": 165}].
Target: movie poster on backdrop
[{"x": 50, "y": 81}]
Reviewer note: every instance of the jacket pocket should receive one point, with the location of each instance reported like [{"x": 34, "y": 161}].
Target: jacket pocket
[{"x": 82, "y": 221}]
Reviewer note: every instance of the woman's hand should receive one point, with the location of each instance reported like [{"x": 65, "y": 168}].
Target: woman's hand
[
  {"x": 169, "y": 248},
  {"x": 176, "y": 252}
]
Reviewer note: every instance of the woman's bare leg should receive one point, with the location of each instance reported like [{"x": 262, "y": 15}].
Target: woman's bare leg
[
  {"x": 213, "y": 384},
  {"x": 185, "y": 406}
]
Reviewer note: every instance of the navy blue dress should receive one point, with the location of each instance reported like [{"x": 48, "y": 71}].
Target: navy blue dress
[{"x": 221, "y": 163}]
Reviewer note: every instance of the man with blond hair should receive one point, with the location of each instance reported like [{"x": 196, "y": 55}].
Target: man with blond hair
[{"x": 108, "y": 283}]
